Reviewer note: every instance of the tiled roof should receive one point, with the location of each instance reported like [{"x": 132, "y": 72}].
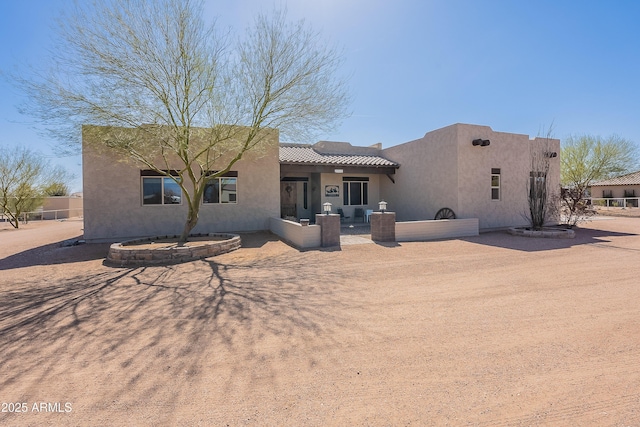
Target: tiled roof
[
  {"x": 628, "y": 179},
  {"x": 300, "y": 154}
]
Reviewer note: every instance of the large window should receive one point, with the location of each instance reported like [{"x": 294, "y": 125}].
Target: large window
[
  {"x": 355, "y": 191},
  {"x": 495, "y": 184},
  {"x": 158, "y": 189},
  {"x": 222, "y": 189}
]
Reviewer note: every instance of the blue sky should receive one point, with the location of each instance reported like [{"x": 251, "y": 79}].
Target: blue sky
[{"x": 418, "y": 65}]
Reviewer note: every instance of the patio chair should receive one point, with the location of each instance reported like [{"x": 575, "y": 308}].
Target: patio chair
[
  {"x": 367, "y": 214},
  {"x": 342, "y": 215},
  {"x": 358, "y": 213}
]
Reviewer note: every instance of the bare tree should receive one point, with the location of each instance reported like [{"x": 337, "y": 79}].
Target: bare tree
[
  {"x": 208, "y": 99},
  {"x": 57, "y": 182},
  {"x": 22, "y": 175},
  {"x": 542, "y": 200},
  {"x": 586, "y": 159}
]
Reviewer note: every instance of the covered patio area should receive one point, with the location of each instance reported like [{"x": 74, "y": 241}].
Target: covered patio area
[{"x": 348, "y": 177}]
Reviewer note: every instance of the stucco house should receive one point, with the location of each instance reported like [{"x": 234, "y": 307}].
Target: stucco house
[
  {"x": 58, "y": 207},
  {"x": 618, "y": 188},
  {"x": 123, "y": 200},
  {"x": 472, "y": 170}
]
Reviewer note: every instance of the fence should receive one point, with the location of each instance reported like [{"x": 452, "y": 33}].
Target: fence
[
  {"x": 41, "y": 215},
  {"x": 615, "y": 202}
]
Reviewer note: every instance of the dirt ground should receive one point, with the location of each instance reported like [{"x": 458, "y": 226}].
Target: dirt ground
[{"x": 494, "y": 330}]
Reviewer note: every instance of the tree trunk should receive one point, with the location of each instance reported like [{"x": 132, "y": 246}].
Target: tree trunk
[
  {"x": 192, "y": 220},
  {"x": 14, "y": 220}
]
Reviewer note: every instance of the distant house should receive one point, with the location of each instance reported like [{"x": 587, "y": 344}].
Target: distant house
[
  {"x": 471, "y": 170},
  {"x": 60, "y": 207},
  {"x": 621, "y": 187}
]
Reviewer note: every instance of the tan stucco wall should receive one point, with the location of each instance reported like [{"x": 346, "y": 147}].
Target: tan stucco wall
[
  {"x": 444, "y": 169},
  {"x": 66, "y": 207},
  {"x": 301, "y": 236},
  {"x": 427, "y": 179},
  {"x": 113, "y": 208}
]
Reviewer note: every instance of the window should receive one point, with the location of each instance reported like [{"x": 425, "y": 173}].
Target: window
[
  {"x": 221, "y": 189},
  {"x": 158, "y": 189},
  {"x": 495, "y": 184},
  {"x": 305, "y": 191},
  {"x": 355, "y": 191}
]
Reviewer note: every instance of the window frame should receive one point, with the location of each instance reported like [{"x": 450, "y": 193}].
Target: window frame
[
  {"x": 496, "y": 173},
  {"x": 363, "y": 182},
  {"x": 147, "y": 174},
  {"x": 231, "y": 175}
]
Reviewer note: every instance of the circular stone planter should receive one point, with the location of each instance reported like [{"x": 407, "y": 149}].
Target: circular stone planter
[
  {"x": 139, "y": 252},
  {"x": 548, "y": 232}
]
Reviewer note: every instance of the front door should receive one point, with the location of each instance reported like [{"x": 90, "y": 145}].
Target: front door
[{"x": 288, "y": 200}]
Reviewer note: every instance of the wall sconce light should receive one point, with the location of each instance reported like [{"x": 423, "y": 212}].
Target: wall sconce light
[
  {"x": 338, "y": 170},
  {"x": 382, "y": 206},
  {"x": 326, "y": 208},
  {"x": 550, "y": 154},
  {"x": 481, "y": 142}
]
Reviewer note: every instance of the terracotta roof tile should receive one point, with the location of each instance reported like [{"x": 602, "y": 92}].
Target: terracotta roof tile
[
  {"x": 628, "y": 179},
  {"x": 307, "y": 155}
]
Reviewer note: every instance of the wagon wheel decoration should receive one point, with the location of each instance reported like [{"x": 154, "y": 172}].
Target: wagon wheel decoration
[{"x": 445, "y": 213}]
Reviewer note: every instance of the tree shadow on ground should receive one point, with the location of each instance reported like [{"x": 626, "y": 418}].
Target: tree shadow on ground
[
  {"x": 257, "y": 239},
  {"x": 55, "y": 253},
  {"x": 134, "y": 331},
  {"x": 583, "y": 236},
  {"x": 66, "y": 251}
]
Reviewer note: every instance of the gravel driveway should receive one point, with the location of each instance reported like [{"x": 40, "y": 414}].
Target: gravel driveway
[{"x": 493, "y": 330}]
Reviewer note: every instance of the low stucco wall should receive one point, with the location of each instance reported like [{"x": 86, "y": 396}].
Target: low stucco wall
[
  {"x": 412, "y": 231},
  {"x": 301, "y": 236}
]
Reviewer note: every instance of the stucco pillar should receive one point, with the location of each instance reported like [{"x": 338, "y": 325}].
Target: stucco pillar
[
  {"x": 330, "y": 229},
  {"x": 383, "y": 227}
]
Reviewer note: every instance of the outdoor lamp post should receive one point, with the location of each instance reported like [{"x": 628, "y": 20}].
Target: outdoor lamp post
[
  {"x": 382, "y": 206},
  {"x": 326, "y": 208}
]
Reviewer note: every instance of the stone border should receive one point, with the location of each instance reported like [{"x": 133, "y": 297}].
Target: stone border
[
  {"x": 553, "y": 233},
  {"x": 122, "y": 254}
]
